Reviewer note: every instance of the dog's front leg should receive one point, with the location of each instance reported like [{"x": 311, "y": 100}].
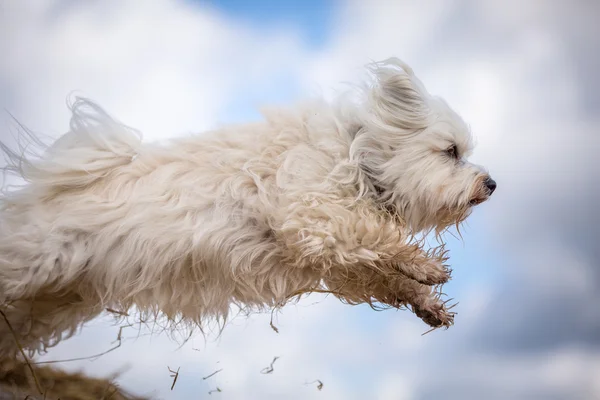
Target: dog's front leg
[
  {"x": 340, "y": 232},
  {"x": 425, "y": 267},
  {"x": 347, "y": 233},
  {"x": 337, "y": 233}
]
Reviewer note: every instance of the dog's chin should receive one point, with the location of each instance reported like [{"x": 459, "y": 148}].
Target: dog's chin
[{"x": 449, "y": 217}]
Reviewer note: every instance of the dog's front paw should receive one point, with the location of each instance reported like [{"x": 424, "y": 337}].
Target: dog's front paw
[{"x": 435, "y": 315}]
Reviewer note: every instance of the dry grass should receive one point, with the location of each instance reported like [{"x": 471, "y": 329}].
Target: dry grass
[
  {"x": 16, "y": 380},
  {"x": 217, "y": 390},
  {"x": 174, "y": 375},
  {"x": 213, "y": 374}
]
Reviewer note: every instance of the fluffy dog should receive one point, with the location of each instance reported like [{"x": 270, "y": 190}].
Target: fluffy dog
[{"x": 323, "y": 197}]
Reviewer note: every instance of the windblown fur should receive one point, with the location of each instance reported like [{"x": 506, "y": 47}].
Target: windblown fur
[{"x": 321, "y": 197}]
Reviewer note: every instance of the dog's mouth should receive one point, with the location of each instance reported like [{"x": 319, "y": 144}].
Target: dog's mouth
[
  {"x": 477, "y": 200},
  {"x": 484, "y": 190}
]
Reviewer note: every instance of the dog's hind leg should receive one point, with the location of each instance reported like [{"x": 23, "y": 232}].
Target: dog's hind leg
[
  {"x": 39, "y": 280},
  {"x": 31, "y": 262},
  {"x": 41, "y": 322}
]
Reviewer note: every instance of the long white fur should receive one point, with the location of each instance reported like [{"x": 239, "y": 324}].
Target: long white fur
[{"x": 324, "y": 196}]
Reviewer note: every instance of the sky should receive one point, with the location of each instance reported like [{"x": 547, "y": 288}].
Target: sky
[{"x": 527, "y": 271}]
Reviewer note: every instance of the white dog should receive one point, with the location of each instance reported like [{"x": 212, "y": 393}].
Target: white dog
[{"x": 324, "y": 197}]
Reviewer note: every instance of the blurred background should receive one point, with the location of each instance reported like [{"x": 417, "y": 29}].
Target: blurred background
[{"x": 524, "y": 75}]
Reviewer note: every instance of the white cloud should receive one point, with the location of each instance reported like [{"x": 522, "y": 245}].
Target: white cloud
[{"x": 165, "y": 67}]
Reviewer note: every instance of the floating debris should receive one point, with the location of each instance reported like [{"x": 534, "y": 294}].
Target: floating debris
[
  {"x": 214, "y": 373},
  {"x": 174, "y": 375},
  {"x": 319, "y": 386},
  {"x": 269, "y": 369}
]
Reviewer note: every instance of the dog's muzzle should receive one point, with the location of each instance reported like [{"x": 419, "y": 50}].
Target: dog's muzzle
[{"x": 488, "y": 186}]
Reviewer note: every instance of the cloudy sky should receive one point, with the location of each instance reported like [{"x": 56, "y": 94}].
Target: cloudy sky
[{"x": 527, "y": 274}]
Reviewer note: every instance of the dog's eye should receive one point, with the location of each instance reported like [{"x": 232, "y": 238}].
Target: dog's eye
[{"x": 452, "y": 151}]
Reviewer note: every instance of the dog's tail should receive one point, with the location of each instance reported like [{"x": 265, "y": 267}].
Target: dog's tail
[{"x": 95, "y": 145}]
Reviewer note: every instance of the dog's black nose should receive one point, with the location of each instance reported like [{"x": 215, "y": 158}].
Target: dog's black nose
[{"x": 490, "y": 184}]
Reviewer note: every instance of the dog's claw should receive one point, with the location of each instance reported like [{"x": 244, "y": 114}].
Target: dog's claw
[{"x": 436, "y": 315}]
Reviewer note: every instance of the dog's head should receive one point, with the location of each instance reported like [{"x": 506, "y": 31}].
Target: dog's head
[{"x": 414, "y": 148}]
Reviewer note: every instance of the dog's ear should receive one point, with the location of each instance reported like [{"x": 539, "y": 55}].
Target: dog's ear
[{"x": 397, "y": 96}]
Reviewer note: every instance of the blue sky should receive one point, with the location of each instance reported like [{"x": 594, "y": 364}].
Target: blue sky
[
  {"x": 311, "y": 18},
  {"x": 526, "y": 274}
]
